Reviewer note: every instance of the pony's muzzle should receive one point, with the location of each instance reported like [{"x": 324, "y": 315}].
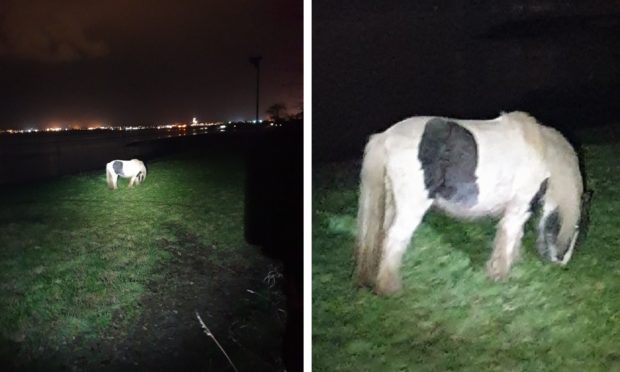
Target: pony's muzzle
[{"x": 563, "y": 259}]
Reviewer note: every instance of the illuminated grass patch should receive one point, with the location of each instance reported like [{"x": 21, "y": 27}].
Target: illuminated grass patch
[
  {"x": 449, "y": 316},
  {"x": 73, "y": 253}
]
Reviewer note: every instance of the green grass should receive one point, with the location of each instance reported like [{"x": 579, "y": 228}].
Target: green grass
[
  {"x": 449, "y": 316},
  {"x": 72, "y": 253}
]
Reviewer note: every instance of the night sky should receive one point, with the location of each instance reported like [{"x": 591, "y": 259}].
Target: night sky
[
  {"x": 377, "y": 62},
  {"x": 116, "y": 62}
]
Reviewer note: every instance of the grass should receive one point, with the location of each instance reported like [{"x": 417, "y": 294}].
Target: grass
[
  {"x": 449, "y": 316},
  {"x": 72, "y": 253}
]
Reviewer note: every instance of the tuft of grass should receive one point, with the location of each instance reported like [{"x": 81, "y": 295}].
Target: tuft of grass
[
  {"x": 449, "y": 316},
  {"x": 73, "y": 253}
]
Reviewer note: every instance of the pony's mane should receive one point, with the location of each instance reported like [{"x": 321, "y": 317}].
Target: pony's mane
[
  {"x": 520, "y": 116},
  {"x": 530, "y": 128}
]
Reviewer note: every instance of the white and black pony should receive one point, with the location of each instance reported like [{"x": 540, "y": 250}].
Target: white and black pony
[
  {"x": 467, "y": 168},
  {"x": 133, "y": 169}
]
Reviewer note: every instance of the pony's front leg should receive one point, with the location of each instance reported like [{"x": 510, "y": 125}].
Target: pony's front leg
[
  {"x": 507, "y": 243},
  {"x": 132, "y": 181}
]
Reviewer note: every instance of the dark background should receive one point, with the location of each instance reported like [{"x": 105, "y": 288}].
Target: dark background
[{"x": 375, "y": 63}]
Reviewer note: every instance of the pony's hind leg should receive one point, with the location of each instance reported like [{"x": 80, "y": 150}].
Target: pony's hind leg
[
  {"x": 405, "y": 206},
  {"x": 507, "y": 242},
  {"x": 111, "y": 177},
  {"x": 114, "y": 179}
]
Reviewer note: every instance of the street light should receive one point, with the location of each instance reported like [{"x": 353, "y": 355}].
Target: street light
[{"x": 256, "y": 62}]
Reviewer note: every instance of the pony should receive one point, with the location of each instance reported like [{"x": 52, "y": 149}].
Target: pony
[
  {"x": 504, "y": 167},
  {"x": 133, "y": 169}
]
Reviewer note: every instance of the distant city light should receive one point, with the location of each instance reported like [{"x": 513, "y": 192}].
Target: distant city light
[{"x": 195, "y": 125}]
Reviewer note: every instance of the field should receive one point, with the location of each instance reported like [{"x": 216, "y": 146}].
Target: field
[
  {"x": 98, "y": 279},
  {"x": 449, "y": 316}
]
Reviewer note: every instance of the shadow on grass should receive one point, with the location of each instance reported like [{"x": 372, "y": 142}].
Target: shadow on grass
[{"x": 474, "y": 238}]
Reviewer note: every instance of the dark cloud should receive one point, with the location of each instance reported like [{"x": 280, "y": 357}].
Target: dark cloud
[
  {"x": 42, "y": 31},
  {"x": 146, "y": 61}
]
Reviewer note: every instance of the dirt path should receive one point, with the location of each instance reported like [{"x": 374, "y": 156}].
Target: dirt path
[{"x": 245, "y": 314}]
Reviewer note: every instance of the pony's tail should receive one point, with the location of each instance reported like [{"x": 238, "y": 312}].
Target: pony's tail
[
  {"x": 370, "y": 216},
  {"x": 109, "y": 175},
  {"x": 563, "y": 199}
]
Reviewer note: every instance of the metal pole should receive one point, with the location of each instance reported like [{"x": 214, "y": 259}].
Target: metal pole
[
  {"x": 257, "y": 85},
  {"x": 256, "y": 62}
]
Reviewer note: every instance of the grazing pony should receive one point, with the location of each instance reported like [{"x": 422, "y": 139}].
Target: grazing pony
[
  {"x": 468, "y": 168},
  {"x": 133, "y": 169}
]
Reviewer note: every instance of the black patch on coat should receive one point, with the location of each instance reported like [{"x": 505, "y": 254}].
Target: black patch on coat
[
  {"x": 542, "y": 190},
  {"x": 449, "y": 156},
  {"x": 118, "y": 167},
  {"x": 552, "y": 226},
  {"x": 548, "y": 233}
]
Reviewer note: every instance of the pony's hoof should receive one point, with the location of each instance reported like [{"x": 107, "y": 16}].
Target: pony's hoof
[
  {"x": 387, "y": 285},
  {"x": 496, "y": 270},
  {"x": 362, "y": 282}
]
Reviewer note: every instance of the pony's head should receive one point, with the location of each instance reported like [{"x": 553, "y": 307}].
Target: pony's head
[
  {"x": 558, "y": 236},
  {"x": 565, "y": 211},
  {"x": 141, "y": 176}
]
